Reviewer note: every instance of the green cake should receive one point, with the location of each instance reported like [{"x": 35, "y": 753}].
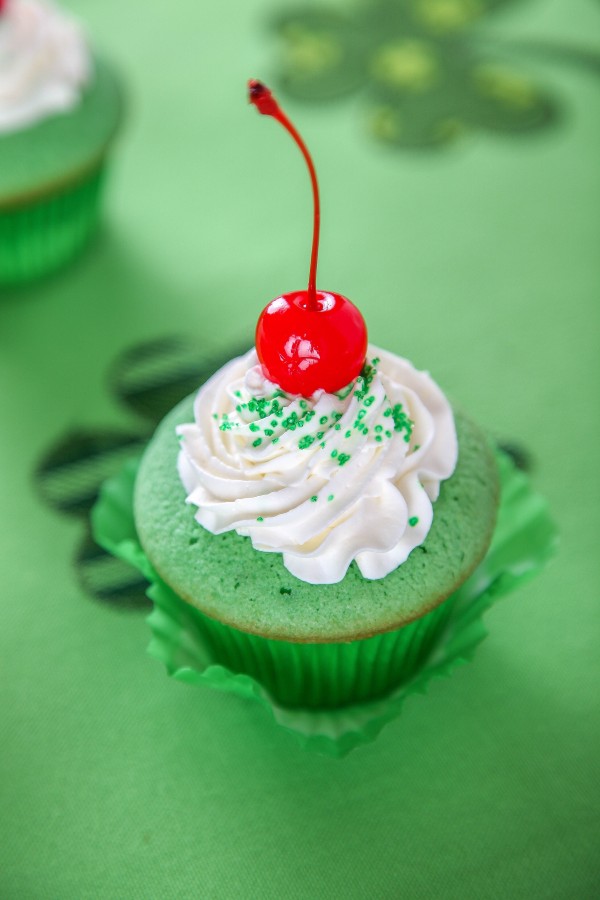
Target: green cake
[
  {"x": 299, "y": 522},
  {"x": 315, "y": 522},
  {"x": 53, "y": 153},
  {"x": 315, "y": 638}
]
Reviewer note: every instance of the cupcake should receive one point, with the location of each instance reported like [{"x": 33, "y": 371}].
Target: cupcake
[
  {"x": 308, "y": 538},
  {"x": 316, "y": 521},
  {"x": 60, "y": 108}
]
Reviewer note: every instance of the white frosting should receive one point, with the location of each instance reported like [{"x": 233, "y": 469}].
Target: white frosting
[
  {"x": 44, "y": 63},
  {"x": 355, "y": 481}
]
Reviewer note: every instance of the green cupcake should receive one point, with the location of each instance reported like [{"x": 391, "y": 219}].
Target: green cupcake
[
  {"x": 312, "y": 643},
  {"x": 315, "y": 521},
  {"x": 60, "y": 109}
]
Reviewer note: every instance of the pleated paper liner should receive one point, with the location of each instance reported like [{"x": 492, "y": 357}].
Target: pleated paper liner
[
  {"x": 334, "y": 696},
  {"x": 42, "y": 236}
]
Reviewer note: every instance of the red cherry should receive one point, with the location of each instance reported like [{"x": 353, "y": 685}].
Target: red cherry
[
  {"x": 303, "y": 349},
  {"x": 309, "y": 339}
]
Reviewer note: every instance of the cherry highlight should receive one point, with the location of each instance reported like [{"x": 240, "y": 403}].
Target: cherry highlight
[{"x": 263, "y": 99}]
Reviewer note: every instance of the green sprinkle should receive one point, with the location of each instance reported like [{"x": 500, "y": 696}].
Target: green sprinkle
[
  {"x": 369, "y": 401},
  {"x": 345, "y": 391},
  {"x": 416, "y": 447},
  {"x": 322, "y": 444},
  {"x": 331, "y": 496},
  {"x": 273, "y": 423},
  {"x": 268, "y": 432},
  {"x": 334, "y": 453},
  {"x": 237, "y": 393},
  {"x": 254, "y": 427},
  {"x": 215, "y": 416},
  {"x": 305, "y": 442},
  {"x": 257, "y": 442},
  {"x": 379, "y": 428},
  {"x": 348, "y": 434},
  {"x": 259, "y": 519},
  {"x": 337, "y": 426},
  {"x": 313, "y": 499},
  {"x": 413, "y": 521},
  {"x": 376, "y": 361},
  {"x": 320, "y": 435},
  {"x": 274, "y": 441},
  {"x": 343, "y": 458},
  {"x": 361, "y": 413},
  {"x": 336, "y": 415},
  {"x": 378, "y": 438},
  {"x": 303, "y": 404},
  {"x": 323, "y": 420}
]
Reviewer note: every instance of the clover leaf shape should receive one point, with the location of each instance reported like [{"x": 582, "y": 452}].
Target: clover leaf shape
[{"x": 427, "y": 69}]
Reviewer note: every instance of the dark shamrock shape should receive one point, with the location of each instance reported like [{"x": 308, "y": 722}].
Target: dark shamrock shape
[
  {"x": 104, "y": 577},
  {"x": 71, "y": 473},
  {"x": 429, "y": 69},
  {"x": 152, "y": 378},
  {"x": 149, "y": 379}
]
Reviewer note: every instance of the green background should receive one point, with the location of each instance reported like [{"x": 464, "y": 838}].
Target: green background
[{"x": 478, "y": 262}]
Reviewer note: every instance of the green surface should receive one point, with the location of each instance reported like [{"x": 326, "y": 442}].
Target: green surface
[
  {"x": 227, "y": 579},
  {"x": 479, "y": 262},
  {"x": 61, "y": 148}
]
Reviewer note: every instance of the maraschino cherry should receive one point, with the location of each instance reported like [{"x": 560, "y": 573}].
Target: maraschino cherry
[{"x": 307, "y": 340}]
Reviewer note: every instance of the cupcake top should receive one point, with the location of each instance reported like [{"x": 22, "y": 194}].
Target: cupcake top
[
  {"x": 324, "y": 480},
  {"x": 45, "y": 63},
  {"x": 227, "y": 579}
]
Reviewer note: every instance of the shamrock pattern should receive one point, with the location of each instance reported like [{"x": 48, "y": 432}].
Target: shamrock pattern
[
  {"x": 428, "y": 69},
  {"x": 148, "y": 379}
]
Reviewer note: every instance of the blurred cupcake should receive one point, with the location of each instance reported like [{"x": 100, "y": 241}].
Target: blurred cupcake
[{"x": 60, "y": 108}]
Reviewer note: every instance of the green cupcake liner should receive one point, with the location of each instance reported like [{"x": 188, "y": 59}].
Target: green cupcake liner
[
  {"x": 334, "y": 696},
  {"x": 40, "y": 237}
]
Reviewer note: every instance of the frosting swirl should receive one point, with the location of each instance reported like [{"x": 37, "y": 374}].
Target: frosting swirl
[
  {"x": 326, "y": 480},
  {"x": 44, "y": 63}
]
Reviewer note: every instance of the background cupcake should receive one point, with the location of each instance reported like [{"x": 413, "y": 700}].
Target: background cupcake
[{"x": 60, "y": 107}]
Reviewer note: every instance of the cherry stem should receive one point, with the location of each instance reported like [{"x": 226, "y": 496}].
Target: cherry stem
[{"x": 263, "y": 99}]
